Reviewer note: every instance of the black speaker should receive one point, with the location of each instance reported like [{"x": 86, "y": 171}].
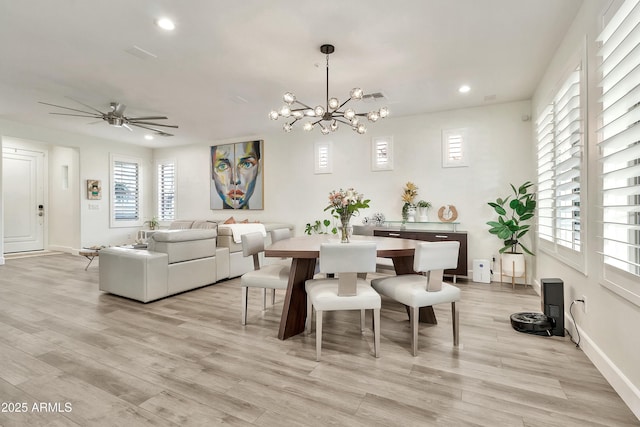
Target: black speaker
[{"x": 553, "y": 303}]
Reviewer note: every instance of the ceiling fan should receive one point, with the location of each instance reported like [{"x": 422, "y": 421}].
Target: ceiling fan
[{"x": 115, "y": 117}]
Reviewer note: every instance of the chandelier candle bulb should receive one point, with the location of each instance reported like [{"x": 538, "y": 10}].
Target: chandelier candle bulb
[{"x": 327, "y": 118}]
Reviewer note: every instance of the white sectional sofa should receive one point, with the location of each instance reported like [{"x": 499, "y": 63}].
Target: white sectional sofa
[{"x": 189, "y": 255}]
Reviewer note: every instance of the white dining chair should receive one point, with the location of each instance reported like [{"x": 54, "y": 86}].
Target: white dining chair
[
  {"x": 277, "y": 235},
  {"x": 280, "y": 234},
  {"x": 426, "y": 289},
  {"x": 272, "y": 276},
  {"x": 347, "y": 291}
]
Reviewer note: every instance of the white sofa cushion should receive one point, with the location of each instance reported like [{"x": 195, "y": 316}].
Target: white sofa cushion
[
  {"x": 184, "y": 245},
  {"x": 183, "y": 235}
]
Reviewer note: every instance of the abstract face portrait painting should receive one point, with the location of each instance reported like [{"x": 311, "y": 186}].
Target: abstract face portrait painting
[{"x": 236, "y": 176}]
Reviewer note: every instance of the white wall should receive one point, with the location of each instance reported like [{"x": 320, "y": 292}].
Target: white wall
[
  {"x": 1, "y": 210},
  {"x": 64, "y": 199},
  {"x": 500, "y": 153},
  {"x": 75, "y": 225},
  {"x": 608, "y": 333}
]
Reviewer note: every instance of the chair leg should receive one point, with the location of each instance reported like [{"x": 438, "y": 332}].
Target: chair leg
[
  {"x": 264, "y": 299},
  {"x": 318, "y": 334},
  {"x": 244, "y": 304},
  {"x": 273, "y": 296},
  {"x": 376, "y": 331},
  {"x": 363, "y": 315},
  {"x": 455, "y": 320},
  {"x": 414, "y": 314},
  {"x": 307, "y": 322}
]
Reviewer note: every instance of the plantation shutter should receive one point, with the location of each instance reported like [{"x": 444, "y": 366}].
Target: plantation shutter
[
  {"x": 545, "y": 131},
  {"x": 126, "y": 191},
  {"x": 382, "y": 153},
  {"x": 166, "y": 191},
  {"x": 619, "y": 136},
  {"x": 568, "y": 159},
  {"x": 559, "y": 135}
]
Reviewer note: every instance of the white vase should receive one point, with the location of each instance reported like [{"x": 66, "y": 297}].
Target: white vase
[
  {"x": 411, "y": 214},
  {"x": 422, "y": 214}
]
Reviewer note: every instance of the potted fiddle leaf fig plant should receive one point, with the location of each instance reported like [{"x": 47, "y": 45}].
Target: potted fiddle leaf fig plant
[{"x": 513, "y": 213}]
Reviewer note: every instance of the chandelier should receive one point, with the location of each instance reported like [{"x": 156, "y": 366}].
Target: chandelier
[{"x": 328, "y": 116}]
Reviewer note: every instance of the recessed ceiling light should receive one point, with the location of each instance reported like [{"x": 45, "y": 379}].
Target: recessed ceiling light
[
  {"x": 166, "y": 24},
  {"x": 148, "y": 137},
  {"x": 464, "y": 89}
]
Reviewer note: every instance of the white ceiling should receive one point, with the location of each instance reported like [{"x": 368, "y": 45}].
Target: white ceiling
[{"x": 228, "y": 63}]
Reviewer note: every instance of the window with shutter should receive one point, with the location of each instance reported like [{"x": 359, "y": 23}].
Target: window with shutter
[
  {"x": 619, "y": 146},
  {"x": 322, "y": 159},
  {"x": 560, "y": 137},
  {"x": 166, "y": 175},
  {"x": 454, "y": 148},
  {"x": 125, "y": 192},
  {"x": 382, "y": 153}
]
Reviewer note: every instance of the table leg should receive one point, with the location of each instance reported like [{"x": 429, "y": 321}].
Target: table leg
[
  {"x": 90, "y": 256},
  {"x": 404, "y": 265},
  {"x": 294, "y": 310}
]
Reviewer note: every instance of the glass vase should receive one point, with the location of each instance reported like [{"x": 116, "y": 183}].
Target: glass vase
[{"x": 345, "y": 229}]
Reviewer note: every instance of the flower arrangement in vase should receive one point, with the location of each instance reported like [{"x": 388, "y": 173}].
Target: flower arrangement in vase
[
  {"x": 409, "y": 194},
  {"x": 343, "y": 205}
]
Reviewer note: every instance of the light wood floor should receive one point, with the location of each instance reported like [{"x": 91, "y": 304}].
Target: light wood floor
[{"x": 186, "y": 360}]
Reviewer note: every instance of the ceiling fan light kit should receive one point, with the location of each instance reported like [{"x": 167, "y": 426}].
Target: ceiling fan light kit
[
  {"x": 328, "y": 116},
  {"x": 116, "y": 118}
]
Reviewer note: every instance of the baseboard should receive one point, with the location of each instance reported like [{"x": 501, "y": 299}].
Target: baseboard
[
  {"x": 628, "y": 391},
  {"x": 65, "y": 249},
  {"x": 1, "y": 260}
]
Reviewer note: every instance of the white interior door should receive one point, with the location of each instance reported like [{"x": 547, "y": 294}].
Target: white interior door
[{"x": 23, "y": 190}]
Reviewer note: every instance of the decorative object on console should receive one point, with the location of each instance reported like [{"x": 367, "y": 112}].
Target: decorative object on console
[
  {"x": 331, "y": 113},
  {"x": 236, "y": 176},
  {"x": 409, "y": 194},
  {"x": 94, "y": 189},
  {"x": 423, "y": 209},
  {"x": 447, "y": 213},
  {"x": 377, "y": 220},
  {"x": 344, "y": 205}
]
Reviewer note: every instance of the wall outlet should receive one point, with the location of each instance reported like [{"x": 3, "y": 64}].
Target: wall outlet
[{"x": 584, "y": 303}]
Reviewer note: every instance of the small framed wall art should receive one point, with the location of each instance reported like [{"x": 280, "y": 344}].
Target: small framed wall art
[{"x": 94, "y": 189}]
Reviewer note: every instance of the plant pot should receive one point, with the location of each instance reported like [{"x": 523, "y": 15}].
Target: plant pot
[
  {"x": 513, "y": 265},
  {"x": 422, "y": 214}
]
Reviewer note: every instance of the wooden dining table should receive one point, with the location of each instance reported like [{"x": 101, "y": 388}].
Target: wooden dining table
[{"x": 305, "y": 250}]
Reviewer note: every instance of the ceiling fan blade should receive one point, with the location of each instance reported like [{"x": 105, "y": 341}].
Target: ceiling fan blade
[
  {"x": 94, "y": 116},
  {"x": 82, "y": 103},
  {"x": 124, "y": 125},
  {"x": 68, "y": 108},
  {"x": 150, "y": 123},
  {"x": 163, "y": 133},
  {"x": 135, "y": 119}
]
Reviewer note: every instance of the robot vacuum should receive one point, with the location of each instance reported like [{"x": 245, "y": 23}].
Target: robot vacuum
[{"x": 533, "y": 323}]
